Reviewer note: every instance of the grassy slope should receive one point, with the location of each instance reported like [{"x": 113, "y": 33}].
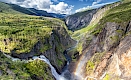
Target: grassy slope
[
  {"x": 18, "y": 70},
  {"x": 6, "y": 8},
  {"x": 119, "y": 14},
  {"x": 77, "y": 34},
  {"x": 12, "y": 8},
  {"x": 20, "y": 32}
]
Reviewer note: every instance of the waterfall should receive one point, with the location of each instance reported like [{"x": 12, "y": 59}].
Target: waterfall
[
  {"x": 66, "y": 75},
  {"x": 54, "y": 73},
  {"x": 43, "y": 58}
]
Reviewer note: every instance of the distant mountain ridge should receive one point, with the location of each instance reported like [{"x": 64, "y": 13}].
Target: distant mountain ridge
[
  {"x": 82, "y": 19},
  {"x": 4, "y": 7},
  {"x": 79, "y": 20}
]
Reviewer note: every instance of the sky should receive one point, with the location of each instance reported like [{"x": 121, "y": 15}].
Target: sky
[{"x": 60, "y": 6}]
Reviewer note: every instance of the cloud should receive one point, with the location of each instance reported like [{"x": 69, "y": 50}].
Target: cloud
[
  {"x": 61, "y": 7},
  {"x": 47, "y": 5},
  {"x": 82, "y": 9},
  {"x": 9, "y": 1},
  {"x": 92, "y": 6},
  {"x": 38, "y": 4},
  {"x": 96, "y": 2}
]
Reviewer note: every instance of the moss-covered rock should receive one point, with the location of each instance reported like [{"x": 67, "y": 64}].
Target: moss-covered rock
[
  {"x": 39, "y": 69},
  {"x": 24, "y": 36},
  {"x": 19, "y": 70}
]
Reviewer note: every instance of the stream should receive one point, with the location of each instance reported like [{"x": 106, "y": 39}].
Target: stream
[
  {"x": 65, "y": 75},
  {"x": 53, "y": 71},
  {"x": 43, "y": 58}
]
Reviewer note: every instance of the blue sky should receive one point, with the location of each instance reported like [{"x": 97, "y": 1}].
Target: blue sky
[
  {"x": 60, "y": 6},
  {"x": 79, "y": 4}
]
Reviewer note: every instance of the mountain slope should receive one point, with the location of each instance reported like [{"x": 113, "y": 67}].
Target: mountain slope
[
  {"x": 79, "y": 20},
  {"x": 13, "y": 8},
  {"x": 105, "y": 49},
  {"x": 24, "y": 36}
]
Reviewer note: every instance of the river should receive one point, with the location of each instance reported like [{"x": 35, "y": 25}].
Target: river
[{"x": 65, "y": 75}]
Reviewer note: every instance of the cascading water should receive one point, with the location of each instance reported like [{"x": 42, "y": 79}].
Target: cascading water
[
  {"x": 43, "y": 58},
  {"x": 54, "y": 73},
  {"x": 66, "y": 75}
]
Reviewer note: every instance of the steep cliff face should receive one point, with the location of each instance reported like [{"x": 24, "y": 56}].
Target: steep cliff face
[
  {"x": 115, "y": 61},
  {"x": 105, "y": 50},
  {"x": 24, "y": 36},
  {"x": 55, "y": 45},
  {"x": 79, "y": 20},
  {"x": 83, "y": 19},
  {"x": 33, "y": 70},
  {"x": 51, "y": 46},
  {"x": 108, "y": 53},
  {"x": 101, "y": 12},
  {"x": 60, "y": 41}
]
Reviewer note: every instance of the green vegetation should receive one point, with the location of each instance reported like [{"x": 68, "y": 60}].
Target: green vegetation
[
  {"x": 125, "y": 1},
  {"x": 6, "y": 8},
  {"x": 90, "y": 67},
  {"x": 79, "y": 33},
  {"x": 19, "y": 70},
  {"x": 114, "y": 38},
  {"x": 107, "y": 77},
  {"x": 45, "y": 47},
  {"x": 39, "y": 68},
  {"x": 93, "y": 62},
  {"x": 79, "y": 48},
  {"x": 19, "y": 33},
  {"x": 60, "y": 63},
  {"x": 121, "y": 13},
  {"x": 15, "y": 70}
]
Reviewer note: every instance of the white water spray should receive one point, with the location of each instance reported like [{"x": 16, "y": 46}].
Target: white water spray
[
  {"x": 43, "y": 58},
  {"x": 54, "y": 73}
]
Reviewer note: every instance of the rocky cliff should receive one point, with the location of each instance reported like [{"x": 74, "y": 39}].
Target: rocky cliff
[
  {"x": 24, "y": 36},
  {"x": 58, "y": 41},
  {"x": 105, "y": 50},
  {"x": 79, "y": 20},
  {"x": 112, "y": 45},
  {"x": 83, "y": 19}
]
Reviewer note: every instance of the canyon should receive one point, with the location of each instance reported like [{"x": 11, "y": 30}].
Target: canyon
[{"x": 89, "y": 45}]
